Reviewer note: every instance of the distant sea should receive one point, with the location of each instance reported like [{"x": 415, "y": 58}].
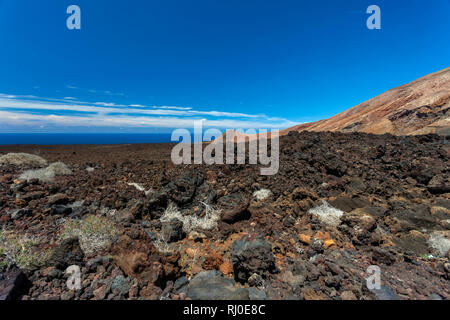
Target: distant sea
[{"x": 82, "y": 138}]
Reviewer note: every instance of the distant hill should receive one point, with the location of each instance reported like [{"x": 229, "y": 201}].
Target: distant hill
[{"x": 419, "y": 107}]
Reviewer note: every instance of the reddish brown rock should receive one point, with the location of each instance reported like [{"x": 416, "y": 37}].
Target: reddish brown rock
[
  {"x": 213, "y": 260},
  {"x": 101, "y": 292},
  {"x": 141, "y": 260},
  {"x": 348, "y": 295}
]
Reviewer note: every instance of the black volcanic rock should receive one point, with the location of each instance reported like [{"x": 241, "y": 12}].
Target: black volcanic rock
[
  {"x": 211, "y": 285},
  {"x": 439, "y": 184},
  {"x": 234, "y": 207},
  {"x": 66, "y": 254},
  {"x": 251, "y": 256},
  {"x": 13, "y": 284}
]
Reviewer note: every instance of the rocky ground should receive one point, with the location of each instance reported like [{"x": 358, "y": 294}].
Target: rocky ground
[{"x": 140, "y": 227}]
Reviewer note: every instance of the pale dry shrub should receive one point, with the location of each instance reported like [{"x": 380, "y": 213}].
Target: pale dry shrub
[
  {"x": 140, "y": 188},
  {"x": 136, "y": 185},
  {"x": 23, "y": 159},
  {"x": 190, "y": 222},
  {"x": 95, "y": 233},
  {"x": 46, "y": 174},
  {"x": 161, "y": 244}
]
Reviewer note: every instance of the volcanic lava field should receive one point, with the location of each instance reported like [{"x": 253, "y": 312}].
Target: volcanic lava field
[{"x": 139, "y": 227}]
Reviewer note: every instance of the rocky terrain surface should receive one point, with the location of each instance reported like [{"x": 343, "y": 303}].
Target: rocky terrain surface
[
  {"x": 419, "y": 107},
  {"x": 139, "y": 227}
]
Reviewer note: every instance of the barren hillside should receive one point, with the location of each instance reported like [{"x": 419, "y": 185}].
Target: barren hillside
[{"x": 419, "y": 107}]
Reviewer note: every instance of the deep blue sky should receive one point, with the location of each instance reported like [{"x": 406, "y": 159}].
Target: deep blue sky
[{"x": 260, "y": 62}]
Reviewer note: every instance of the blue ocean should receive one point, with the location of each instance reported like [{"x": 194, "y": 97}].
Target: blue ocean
[{"x": 82, "y": 138}]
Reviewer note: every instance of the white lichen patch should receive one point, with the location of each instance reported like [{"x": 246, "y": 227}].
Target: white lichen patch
[
  {"x": 76, "y": 204},
  {"x": 140, "y": 188},
  {"x": 262, "y": 194},
  {"x": 327, "y": 214},
  {"x": 439, "y": 243}
]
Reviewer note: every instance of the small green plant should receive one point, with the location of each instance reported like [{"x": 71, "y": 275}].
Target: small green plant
[
  {"x": 95, "y": 233},
  {"x": 22, "y": 250},
  {"x": 425, "y": 256}
]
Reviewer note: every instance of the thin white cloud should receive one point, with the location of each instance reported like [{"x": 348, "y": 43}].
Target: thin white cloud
[
  {"x": 23, "y": 120},
  {"x": 106, "y": 92},
  {"x": 104, "y": 107},
  {"x": 108, "y": 104},
  {"x": 7, "y": 96},
  {"x": 33, "y": 111}
]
